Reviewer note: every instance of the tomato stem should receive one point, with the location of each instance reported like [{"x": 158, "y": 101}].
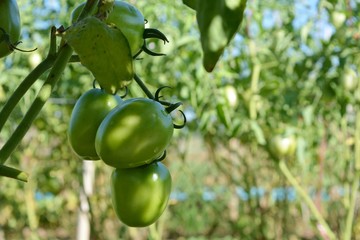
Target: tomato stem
[
  {"x": 74, "y": 59},
  {"x": 87, "y": 8},
  {"x": 305, "y": 196},
  {"x": 43, "y": 95},
  {"x": 12, "y": 46},
  {"x": 58, "y": 61},
  {"x": 355, "y": 183},
  {"x": 352, "y": 207},
  {"x": 22, "y": 89},
  {"x": 14, "y": 173},
  {"x": 27, "y": 83},
  {"x": 143, "y": 87}
]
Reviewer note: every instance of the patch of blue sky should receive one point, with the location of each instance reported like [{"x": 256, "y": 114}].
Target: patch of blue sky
[
  {"x": 53, "y": 5},
  {"x": 271, "y": 18},
  {"x": 304, "y": 11}
]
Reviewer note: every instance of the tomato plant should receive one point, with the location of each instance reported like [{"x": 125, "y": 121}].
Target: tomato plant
[
  {"x": 89, "y": 111},
  {"x": 9, "y": 26},
  {"x": 127, "y": 18},
  {"x": 140, "y": 195},
  {"x": 134, "y": 134}
]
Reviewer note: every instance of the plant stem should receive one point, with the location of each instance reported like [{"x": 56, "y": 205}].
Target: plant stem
[
  {"x": 305, "y": 196},
  {"x": 58, "y": 63},
  {"x": 43, "y": 95},
  {"x": 357, "y": 142},
  {"x": 351, "y": 210},
  {"x": 22, "y": 89},
  {"x": 29, "y": 81},
  {"x": 9, "y": 172},
  {"x": 87, "y": 8},
  {"x": 355, "y": 183},
  {"x": 143, "y": 87}
]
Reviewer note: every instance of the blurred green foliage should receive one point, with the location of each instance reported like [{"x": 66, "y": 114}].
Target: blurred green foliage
[{"x": 292, "y": 65}]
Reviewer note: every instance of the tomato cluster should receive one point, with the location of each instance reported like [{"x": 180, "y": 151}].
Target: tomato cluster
[
  {"x": 129, "y": 135},
  {"x": 108, "y": 41}
]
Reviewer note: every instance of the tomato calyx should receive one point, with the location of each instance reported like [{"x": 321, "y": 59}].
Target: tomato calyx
[
  {"x": 115, "y": 93},
  {"x": 159, "y": 159},
  {"x": 170, "y": 107},
  {"x": 157, "y": 97},
  {"x": 151, "y": 33},
  {"x": 154, "y": 33},
  {"x": 125, "y": 93},
  {"x": 177, "y": 126},
  {"x": 12, "y": 46}
]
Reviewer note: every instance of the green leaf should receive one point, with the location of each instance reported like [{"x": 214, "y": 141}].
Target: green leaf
[
  {"x": 218, "y": 22},
  {"x": 190, "y": 3},
  {"x": 104, "y": 50},
  {"x": 259, "y": 134},
  {"x": 223, "y": 115}
]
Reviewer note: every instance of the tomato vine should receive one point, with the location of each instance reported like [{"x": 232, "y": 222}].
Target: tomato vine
[{"x": 57, "y": 61}]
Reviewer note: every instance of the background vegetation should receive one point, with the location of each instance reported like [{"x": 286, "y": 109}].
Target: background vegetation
[{"x": 294, "y": 67}]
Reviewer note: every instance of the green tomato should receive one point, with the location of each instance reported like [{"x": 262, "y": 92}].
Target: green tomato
[
  {"x": 140, "y": 195},
  {"x": 283, "y": 146},
  {"x": 338, "y": 18},
  {"x": 349, "y": 79},
  {"x": 231, "y": 95},
  {"x": 34, "y": 59},
  {"x": 133, "y": 134},
  {"x": 10, "y": 23},
  {"x": 88, "y": 113},
  {"x": 125, "y": 17}
]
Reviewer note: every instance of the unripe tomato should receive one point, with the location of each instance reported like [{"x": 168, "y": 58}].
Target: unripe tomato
[
  {"x": 89, "y": 111},
  {"x": 283, "y": 146},
  {"x": 231, "y": 95},
  {"x": 140, "y": 195},
  {"x": 349, "y": 79},
  {"x": 34, "y": 59},
  {"x": 338, "y": 18},
  {"x": 133, "y": 134},
  {"x": 127, "y": 18},
  {"x": 10, "y": 23}
]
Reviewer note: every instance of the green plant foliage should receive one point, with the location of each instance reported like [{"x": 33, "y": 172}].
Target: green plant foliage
[
  {"x": 218, "y": 22},
  {"x": 288, "y": 73}
]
